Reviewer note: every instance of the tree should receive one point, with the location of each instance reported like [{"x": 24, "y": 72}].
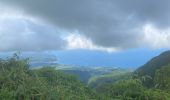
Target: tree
[
  {"x": 162, "y": 78},
  {"x": 19, "y": 82}
]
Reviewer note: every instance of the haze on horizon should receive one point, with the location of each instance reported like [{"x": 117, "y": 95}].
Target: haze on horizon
[{"x": 109, "y": 31}]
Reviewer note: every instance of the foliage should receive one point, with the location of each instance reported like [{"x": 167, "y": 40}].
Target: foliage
[
  {"x": 154, "y": 64},
  {"x": 154, "y": 94},
  {"x": 19, "y": 82},
  {"x": 108, "y": 78},
  {"x": 126, "y": 89},
  {"x": 162, "y": 78},
  {"x": 132, "y": 89}
]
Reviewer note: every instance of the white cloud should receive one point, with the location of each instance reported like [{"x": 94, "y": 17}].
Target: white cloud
[
  {"x": 77, "y": 41},
  {"x": 156, "y": 38}
]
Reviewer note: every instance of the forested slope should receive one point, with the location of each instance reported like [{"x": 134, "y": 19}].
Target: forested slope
[{"x": 154, "y": 64}]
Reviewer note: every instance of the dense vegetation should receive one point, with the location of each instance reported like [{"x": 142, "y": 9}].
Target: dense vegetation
[
  {"x": 149, "y": 82},
  {"x": 132, "y": 89},
  {"x": 153, "y": 65},
  {"x": 109, "y": 78},
  {"x": 19, "y": 82},
  {"x": 89, "y": 75}
]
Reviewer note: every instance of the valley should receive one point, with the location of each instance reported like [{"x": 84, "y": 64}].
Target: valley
[{"x": 21, "y": 80}]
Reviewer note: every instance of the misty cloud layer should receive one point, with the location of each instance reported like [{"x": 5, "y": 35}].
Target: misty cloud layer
[{"x": 108, "y": 23}]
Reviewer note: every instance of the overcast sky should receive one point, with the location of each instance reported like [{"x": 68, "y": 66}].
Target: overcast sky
[{"x": 103, "y": 25}]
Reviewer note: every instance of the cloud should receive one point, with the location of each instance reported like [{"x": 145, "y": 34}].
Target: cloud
[
  {"x": 77, "y": 41},
  {"x": 156, "y": 38},
  {"x": 108, "y": 24},
  {"x": 18, "y": 33}
]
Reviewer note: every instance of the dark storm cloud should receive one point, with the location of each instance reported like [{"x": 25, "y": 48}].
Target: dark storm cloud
[{"x": 108, "y": 23}]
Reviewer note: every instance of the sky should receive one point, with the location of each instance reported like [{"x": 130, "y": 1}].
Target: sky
[
  {"x": 96, "y": 31},
  {"x": 130, "y": 59}
]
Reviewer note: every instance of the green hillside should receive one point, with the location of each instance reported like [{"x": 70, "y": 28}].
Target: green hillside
[
  {"x": 156, "y": 63},
  {"x": 149, "y": 82},
  {"x": 115, "y": 75},
  {"x": 150, "y": 68},
  {"x": 86, "y": 73}
]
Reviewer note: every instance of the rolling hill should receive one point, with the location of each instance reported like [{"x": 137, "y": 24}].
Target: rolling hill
[
  {"x": 154, "y": 64},
  {"x": 86, "y": 73}
]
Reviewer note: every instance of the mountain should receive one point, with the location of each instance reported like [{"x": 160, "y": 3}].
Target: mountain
[{"x": 154, "y": 64}]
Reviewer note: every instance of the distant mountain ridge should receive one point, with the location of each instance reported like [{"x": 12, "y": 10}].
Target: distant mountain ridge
[{"x": 154, "y": 64}]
